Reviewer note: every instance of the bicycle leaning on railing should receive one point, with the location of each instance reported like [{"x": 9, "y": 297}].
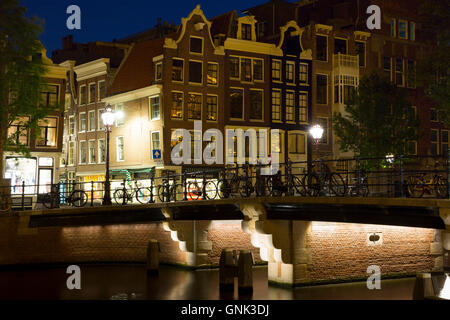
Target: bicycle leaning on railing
[
  {"x": 124, "y": 195},
  {"x": 324, "y": 182},
  {"x": 77, "y": 198},
  {"x": 419, "y": 184}
]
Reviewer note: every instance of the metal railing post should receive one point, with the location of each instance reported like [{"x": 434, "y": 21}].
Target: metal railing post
[
  {"x": 184, "y": 185},
  {"x": 124, "y": 191},
  {"x": 358, "y": 175},
  {"x": 402, "y": 193},
  {"x": 23, "y": 195},
  {"x": 92, "y": 193},
  {"x": 152, "y": 185}
]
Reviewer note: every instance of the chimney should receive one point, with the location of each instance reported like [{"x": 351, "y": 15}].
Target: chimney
[{"x": 67, "y": 42}]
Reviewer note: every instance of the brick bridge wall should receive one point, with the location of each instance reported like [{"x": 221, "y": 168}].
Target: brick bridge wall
[{"x": 339, "y": 250}]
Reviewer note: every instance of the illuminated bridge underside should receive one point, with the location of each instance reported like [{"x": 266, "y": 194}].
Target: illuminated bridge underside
[{"x": 386, "y": 211}]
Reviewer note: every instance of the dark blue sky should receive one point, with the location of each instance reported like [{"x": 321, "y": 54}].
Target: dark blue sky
[{"x": 108, "y": 19}]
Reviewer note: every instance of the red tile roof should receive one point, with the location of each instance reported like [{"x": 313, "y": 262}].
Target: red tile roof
[{"x": 136, "y": 71}]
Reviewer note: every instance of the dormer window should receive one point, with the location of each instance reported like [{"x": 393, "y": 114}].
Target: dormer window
[
  {"x": 246, "y": 31},
  {"x": 196, "y": 45}
]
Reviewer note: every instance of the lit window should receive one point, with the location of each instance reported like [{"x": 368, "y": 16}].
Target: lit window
[
  {"x": 211, "y": 106},
  {"x": 155, "y": 108},
  {"x": 91, "y": 151},
  {"x": 246, "y": 69},
  {"x": 120, "y": 120},
  {"x": 71, "y": 125},
  {"x": 120, "y": 149},
  {"x": 290, "y": 106},
  {"x": 290, "y": 71},
  {"x": 91, "y": 120},
  {"x": 156, "y": 145},
  {"x": 276, "y": 70},
  {"x": 276, "y": 105},
  {"x": 100, "y": 124},
  {"x": 213, "y": 74},
  {"x": 177, "y": 105},
  {"x": 82, "y": 122},
  {"x": 297, "y": 143},
  {"x": 101, "y": 151},
  {"x": 303, "y": 73},
  {"x": 194, "y": 106},
  {"x": 303, "y": 106},
  {"x": 18, "y": 131}
]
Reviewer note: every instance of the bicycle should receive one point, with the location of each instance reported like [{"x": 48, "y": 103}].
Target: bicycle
[
  {"x": 205, "y": 189},
  {"x": 5, "y": 203},
  {"x": 166, "y": 191},
  {"x": 76, "y": 198},
  {"x": 294, "y": 185},
  {"x": 358, "y": 189},
  {"x": 228, "y": 186},
  {"x": 316, "y": 183},
  {"x": 417, "y": 185},
  {"x": 123, "y": 195}
]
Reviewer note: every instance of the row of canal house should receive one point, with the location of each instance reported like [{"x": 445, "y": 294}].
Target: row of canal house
[{"x": 280, "y": 66}]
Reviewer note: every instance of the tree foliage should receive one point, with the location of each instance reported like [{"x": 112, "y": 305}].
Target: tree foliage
[
  {"x": 378, "y": 120},
  {"x": 433, "y": 68},
  {"x": 21, "y": 76}
]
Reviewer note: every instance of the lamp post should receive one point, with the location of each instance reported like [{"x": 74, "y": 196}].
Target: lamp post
[
  {"x": 316, "y": 132},
  {"x": 108, "y": 121}
]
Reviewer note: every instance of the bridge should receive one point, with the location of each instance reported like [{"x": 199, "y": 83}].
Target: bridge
[{"x": 278, "y": 219}]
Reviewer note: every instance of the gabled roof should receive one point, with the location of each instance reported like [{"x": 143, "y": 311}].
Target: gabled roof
[{"x": 136, "y": 70}]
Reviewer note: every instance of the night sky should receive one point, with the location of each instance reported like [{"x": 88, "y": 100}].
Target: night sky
[{"x": 105, "y": 20}]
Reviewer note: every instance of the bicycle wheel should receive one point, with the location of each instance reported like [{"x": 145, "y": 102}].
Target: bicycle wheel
[
  {"x": 223, "y": 189},
  {"x": 312, "y": 184},
  {"x": 245, "y": 188},
  {"x": 194, "y": 191},
  {"x": 164, "y": 193},
  {"x": 273, "y": 188},
  {"x": 415, "y": 187},
  {"x": 143, "y": 195},
  {"x": 299, "y": 186},
  {"x": 210, "y": 190},
  {"x": 79, "y": 198},
  {"x": 440, "y": 187},
  {"x": 119, "y": 197},
  {"x": 337, "y": 185},
  {"x": 5, "y": 204},
  {"x": 50, "y": 199}
]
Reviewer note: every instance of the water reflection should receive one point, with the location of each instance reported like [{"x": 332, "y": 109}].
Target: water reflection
[{"x": 130, "y": 282}]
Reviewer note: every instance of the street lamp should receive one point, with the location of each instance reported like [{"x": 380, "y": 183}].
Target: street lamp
[
  {"x": 316, "y": 132},
  {"x": 108, "y": 120}
]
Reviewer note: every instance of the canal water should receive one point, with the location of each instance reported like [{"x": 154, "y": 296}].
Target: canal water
[{"x": 130, "y": 282}]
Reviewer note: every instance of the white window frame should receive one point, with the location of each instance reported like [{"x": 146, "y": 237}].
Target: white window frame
[
  {"x": 71, "y": 161},
  {"x": 80, "y": 153},
  {"x": 89, "y": 121},
  {"x": 120, "y": 107},
  {"x": 280, "y": 105},
  {"x": 203, "y": 45},
  {"x": 89, "y": 152},
  {"x": 151, "y": 107},
  {"x": 304, "y": 93},
  {"x": 89, "y": 92},
  {"x": 100, "y": 125},
  {"x": 72, "y": 117},
  {"x": 117, "y": 149},
  {"x": 286, "y": 105},
  {"x": 151, "y": 141},
  {"x": 98, "y": 91},
  {"x": 80, "y": 95},
  {"x": 99, "y": 152},
  {"x": 79, "y": 122}
]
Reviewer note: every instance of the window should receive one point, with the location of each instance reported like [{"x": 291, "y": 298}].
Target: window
[
  {"x": 387, "y": 67},
  {"x": 412, "y": 31},
  {"x": 256, "y": 105},
  {"x": 158, "y": 71},
  {"x": 276, "y": 70},
  {"x": 303, "y": 73},
  {"x": 101, "y": 89},
  {"x": 156, "y": 145},
  {"x": 91, "y": 92},
  {"x": 444, "y": 142},
  {"x": 194, "y": 106},
  {"x": 393, "y": 30},
  {"x": 83, "y": 95},
  {"x": 276, "y": 105},
  {"x": 321, "y": 48},
  {"x": 303, "y": 106},
  {"x": 433, "y": 115},
  {"x": 399, "y": 74},
  {"x": 71, "y": 125},
  {"x": 82, "y": 122},
  {"x": 322, "y": 85},
  {"x": 100, "y": 124},
  {"x": 411, "y": 147},
  {"x": 258, "y": 70},
  {"x": 101, "y": 151},
  {"x": 290, "y": 71},
  {"x": 402, "y": 29},
  {"x": 71, "y": 154},
  {"x": 237, "y": 103},
  {"x": 340, "y": 46},
  {"x": 213, "y": 74},
  {"x": 177, "y": 70},
  {"x": 234, "y": 67},
  {"x": 49, "y": 95},
  {"x": 434, "y": 142},
  {"x": 196, "y": 45},
  {"x": 195, "y": 71},
  {"x": 246, "y": 69},
  {"x": 91, "y": 120},
  {"x": 323, "y": 122},
  {"x": 120, "y": 121},
  {"x": 211, "y": 108},
  {"x": 120, "y": 149},
  {"x": 411, "y": 74},
  {"x": 18, "y": 132},
  {"x": 154, "y": 108},
  {"x": 246, "y": 31},
  {"x": 82, "y": 152},
  {"x": 177, "y": 105},
  {"x": 297, "y": 143},
  {"x": 290, "y": 106},
  {"x": 361, "y": 52},
  {"x": 91, "y": 151}
]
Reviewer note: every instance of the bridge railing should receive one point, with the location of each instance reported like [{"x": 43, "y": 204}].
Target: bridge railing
[{"x": 357, "y": 177}]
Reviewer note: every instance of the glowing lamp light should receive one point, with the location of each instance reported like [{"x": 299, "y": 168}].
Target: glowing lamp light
[
  {"x": 316, "y": 132},
  {"x": 390, "y": 158},
  {"x": 108, "y": 117}
]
